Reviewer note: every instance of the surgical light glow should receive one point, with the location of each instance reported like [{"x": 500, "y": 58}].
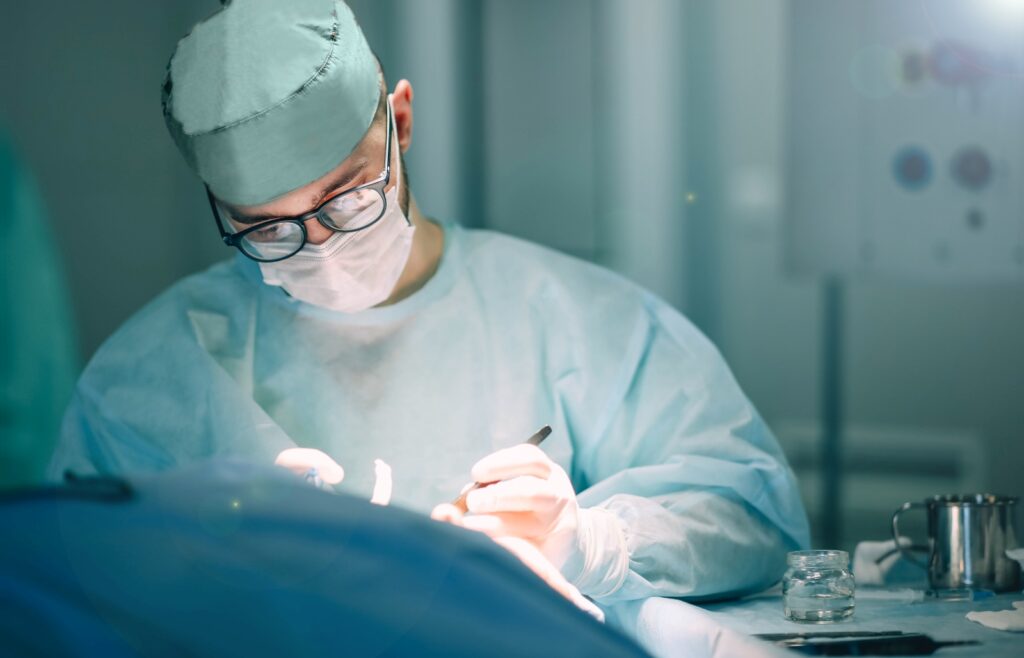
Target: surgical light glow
[{"x": 1004, "y": 9}]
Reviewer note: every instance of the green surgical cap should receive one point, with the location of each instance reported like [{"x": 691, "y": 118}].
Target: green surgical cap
[{"x": 267, "y": 96}]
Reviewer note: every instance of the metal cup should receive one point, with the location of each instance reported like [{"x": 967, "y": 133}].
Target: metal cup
[{"x": 968, "y": 536}]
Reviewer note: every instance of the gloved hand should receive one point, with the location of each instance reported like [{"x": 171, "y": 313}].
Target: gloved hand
[
  {"x": 321, "y": 471},
  {"x": 313, "y": 465},
  {"x": 531, "y": 498},
  {"x": 529, "y": 555}
]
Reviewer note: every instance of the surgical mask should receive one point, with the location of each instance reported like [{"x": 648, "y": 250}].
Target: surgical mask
[{"x": 350, "y": 272}]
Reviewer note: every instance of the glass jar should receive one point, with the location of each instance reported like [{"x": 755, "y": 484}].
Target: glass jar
[{"x": 818, "y": 586}]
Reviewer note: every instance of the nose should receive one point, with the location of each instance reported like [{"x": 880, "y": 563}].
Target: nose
[{"x": 317, "y": 233}]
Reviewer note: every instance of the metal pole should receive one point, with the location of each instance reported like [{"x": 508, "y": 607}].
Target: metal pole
[{"x": 832, "y": 412}]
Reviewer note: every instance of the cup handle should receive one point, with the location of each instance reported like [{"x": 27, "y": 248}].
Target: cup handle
[{"x": 905, "y": 552}]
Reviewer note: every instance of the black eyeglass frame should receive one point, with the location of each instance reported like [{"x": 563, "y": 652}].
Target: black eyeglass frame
[{"x": 378, "y": 185}]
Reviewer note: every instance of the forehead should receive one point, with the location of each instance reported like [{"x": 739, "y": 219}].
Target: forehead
[
  {"x": 304, "y": 199},
  {"x": 359, "y": 164}
]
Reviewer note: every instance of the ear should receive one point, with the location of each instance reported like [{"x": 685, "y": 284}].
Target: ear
[{"x": 401, "y": 103}]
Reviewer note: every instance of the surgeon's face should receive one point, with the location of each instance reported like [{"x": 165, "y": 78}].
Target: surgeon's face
[{"x": 363, "y": 165}]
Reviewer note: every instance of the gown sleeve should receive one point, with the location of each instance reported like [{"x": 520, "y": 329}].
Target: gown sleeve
[
  {"x": 155, "y": 396},
  {"x": 684, "y": 491}
]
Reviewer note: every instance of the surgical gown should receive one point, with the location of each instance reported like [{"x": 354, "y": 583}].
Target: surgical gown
[{"x": 505, "y": 337}]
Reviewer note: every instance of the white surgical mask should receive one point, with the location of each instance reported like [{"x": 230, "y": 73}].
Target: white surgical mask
[{"x": 350, "y": 272}]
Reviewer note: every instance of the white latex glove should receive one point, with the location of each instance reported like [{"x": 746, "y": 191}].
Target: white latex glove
[
  {"x": 529, "y": 555},
  {"x": 312, "y": 464},
  {"x": 382, "y": 487},
  {"x": 321, "y": 471},
  {"x": 531, "y": 498}
]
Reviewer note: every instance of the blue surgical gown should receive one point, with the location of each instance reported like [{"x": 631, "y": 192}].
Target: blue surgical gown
[{"x": 505, "y": 337}]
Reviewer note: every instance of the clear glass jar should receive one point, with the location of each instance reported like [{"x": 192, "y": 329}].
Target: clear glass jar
[{"x": 818, "y": 586}]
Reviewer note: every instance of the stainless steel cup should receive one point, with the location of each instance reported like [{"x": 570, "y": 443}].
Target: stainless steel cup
[{"x": 968, "y": 536}]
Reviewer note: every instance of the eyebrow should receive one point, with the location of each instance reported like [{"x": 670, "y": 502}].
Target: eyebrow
[{"x": 332, "y": 186}]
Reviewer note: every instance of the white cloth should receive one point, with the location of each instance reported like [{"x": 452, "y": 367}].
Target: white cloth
[
  {"x": 1016, "y": 554},
  {"x": 868, "y": 569},
  {"x": 669, "y": 628},
  {"x": 1001, "y": 620}
]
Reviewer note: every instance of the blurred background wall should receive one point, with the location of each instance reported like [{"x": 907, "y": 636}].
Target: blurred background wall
[{"x": 655, "y": 137}]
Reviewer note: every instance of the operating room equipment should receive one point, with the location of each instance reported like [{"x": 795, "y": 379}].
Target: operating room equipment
[
  {"x": 968, "y": 536},
  {"x": 960, "y": 594},
  {"x": 881, "y": 644},
  {"x": 813, "y": 635},
  {"x": 900, "y": 594},
  {"x": 904, "y": 141},
  {"x": 535, "y": 440},
  {"x": 312, "y": 476},
  {"x": 942, "y": 621},
  {"x": 818, "y": 586}
]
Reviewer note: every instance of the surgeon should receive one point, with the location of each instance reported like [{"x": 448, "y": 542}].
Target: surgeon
[{"x": 350, "y": 323}]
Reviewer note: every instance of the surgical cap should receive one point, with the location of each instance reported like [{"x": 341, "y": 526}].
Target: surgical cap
[{"x": 267, "y": 96}]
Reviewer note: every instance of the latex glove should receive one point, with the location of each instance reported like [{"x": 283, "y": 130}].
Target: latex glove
[
  {"x": 322, "y": 472},
  {"x": 531, "y": 556},
  {"x": 531, "y": 498},
  {"x": 382, "y": 486},
  {"x": 313, "y": 465}
]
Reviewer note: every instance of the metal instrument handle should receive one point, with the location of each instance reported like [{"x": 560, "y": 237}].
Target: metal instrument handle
[{"x": 905, "y": 552}]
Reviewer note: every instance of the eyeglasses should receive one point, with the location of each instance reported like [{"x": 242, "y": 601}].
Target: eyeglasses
[{"x": 346, "y": 212}]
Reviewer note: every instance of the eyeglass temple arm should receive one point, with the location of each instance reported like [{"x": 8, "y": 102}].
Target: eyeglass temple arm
[{"x": 228, "y": 238}]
